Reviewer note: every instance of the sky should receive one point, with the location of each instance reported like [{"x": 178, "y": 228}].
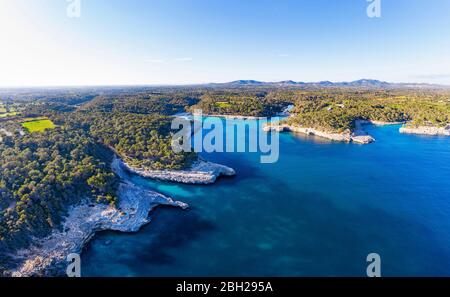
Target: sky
[{"x": 154, "y": 42}]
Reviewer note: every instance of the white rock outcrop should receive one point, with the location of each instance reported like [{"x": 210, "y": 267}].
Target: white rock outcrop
[
  {"x": 230, "y": 116},
  {"x": 426, "y": 130},
  {"x": 359, "y": 136},
  {"x": 201, "y": 172},
  {"x": 48, "y": 256}
]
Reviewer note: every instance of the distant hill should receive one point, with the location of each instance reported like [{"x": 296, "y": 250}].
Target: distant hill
[
  {"x": 366, "y": 83},
  {"x": 246, "y": 82},
  {"x": 362, "y": 83}
]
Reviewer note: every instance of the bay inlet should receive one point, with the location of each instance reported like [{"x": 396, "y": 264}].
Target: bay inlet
[{"x": 319, "y": 211}]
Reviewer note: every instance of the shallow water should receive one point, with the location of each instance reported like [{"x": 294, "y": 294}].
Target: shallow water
[{"x": 319, "y": 211}]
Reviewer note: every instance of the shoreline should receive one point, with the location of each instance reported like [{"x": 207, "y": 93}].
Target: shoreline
[
  {"x": 426, "y": 130},
  {"x": 232, "y": 117},
  {"x": 201, "y": 172},
  {"x": 47, "y": 256},
  {"x": 358, "y": 136},
  {"x": 379, "y": 123},
  {"x": 284, "y": 113}
]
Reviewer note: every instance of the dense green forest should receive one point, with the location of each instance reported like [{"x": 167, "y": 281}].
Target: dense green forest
[
  {"x": 42, "y": 173},
  {"x": 246, "y": 103},
  {"x": 332, "y": 109},
  {"x": 166, "y": 104},
  {"x": 337, "y": 110}
]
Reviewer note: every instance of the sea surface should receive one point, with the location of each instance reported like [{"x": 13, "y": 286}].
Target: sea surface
[{"x": 318, "y": 211}]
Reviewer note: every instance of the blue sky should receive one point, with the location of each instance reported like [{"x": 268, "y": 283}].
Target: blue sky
[{"x": 196, "y": 41}]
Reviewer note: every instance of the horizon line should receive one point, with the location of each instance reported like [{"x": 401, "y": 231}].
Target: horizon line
[{"x": 106, "y": 85}]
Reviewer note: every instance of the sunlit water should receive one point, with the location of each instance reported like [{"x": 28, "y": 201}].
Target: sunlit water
[{"x": 319, "y": 211}]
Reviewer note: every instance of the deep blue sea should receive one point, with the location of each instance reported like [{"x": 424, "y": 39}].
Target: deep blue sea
[{"x": 319, "y": 211}]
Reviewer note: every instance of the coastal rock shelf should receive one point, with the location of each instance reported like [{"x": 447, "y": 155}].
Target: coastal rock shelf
[
  {"x": 201, "y": 172},
  {"x": 48, "y": 255},
  {"x": 359, "y": 136},
  {"x": 423, "y": 130}
]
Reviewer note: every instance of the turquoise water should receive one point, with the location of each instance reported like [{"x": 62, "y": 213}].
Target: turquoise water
[{"x": 319, "y": 211}]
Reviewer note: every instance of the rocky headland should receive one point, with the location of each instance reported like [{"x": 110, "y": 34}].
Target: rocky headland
[
  {"x": 426, "y": 130},
  {"x": 200, "y": 172},
  {"x": 230, "y": 116},
  {"x": 47, "y": 256},
  {"x": 356, "y": 136}
]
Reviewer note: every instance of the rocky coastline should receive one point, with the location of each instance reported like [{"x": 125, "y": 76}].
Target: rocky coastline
[
  {"x": 358, "y": 136},
  {"x": 426, "y": 130},
  {"x": 201, "y": 172},
  {"x": 47, "y": 256},
  {"x": 378, "y": 123}
]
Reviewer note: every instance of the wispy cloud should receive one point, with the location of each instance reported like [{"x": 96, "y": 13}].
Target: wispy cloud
[
  {"x": 154, "y": 61},
  {"x": 185, "y": 59},
  {"x": 283, "y": 55},
  {"x": 434, "y": 76},
  {"x": 160, "y": 61}
]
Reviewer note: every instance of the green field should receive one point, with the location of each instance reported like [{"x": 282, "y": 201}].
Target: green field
[
  {"x": 38, "y": 125},
  {"x": 8, "y": 114},
  {"x": 223, "y": 104}
]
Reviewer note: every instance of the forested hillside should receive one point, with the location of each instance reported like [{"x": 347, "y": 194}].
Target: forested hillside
[
  {"x": 41, "y": 174},
  {"x": 245, "y": 103},
  {"x": 337, "y": 110},
  {"x": 142, "y": 140},
  {"x": 45, "y": 171}
]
